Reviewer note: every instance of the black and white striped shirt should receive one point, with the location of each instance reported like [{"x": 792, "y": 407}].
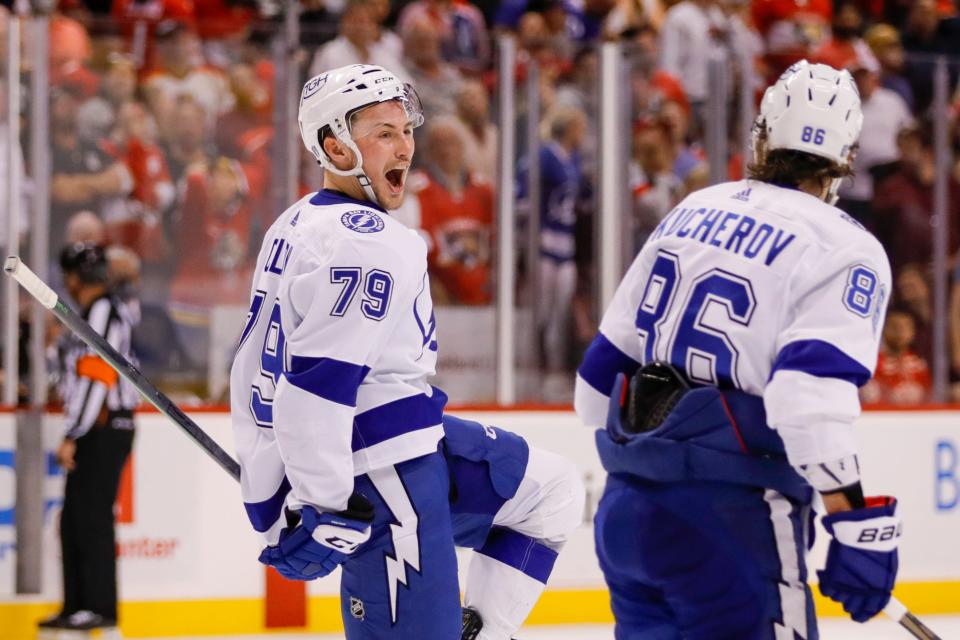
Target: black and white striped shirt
[{"x": 90, "y": 385}]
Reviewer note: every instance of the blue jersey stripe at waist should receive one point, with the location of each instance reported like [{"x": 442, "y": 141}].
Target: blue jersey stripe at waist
[{"x": 397, "y": 418}]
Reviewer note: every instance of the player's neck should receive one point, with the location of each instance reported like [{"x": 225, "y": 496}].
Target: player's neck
[
  {"x": 348, "y": 185},
  {"x": 814, "y": 187}
]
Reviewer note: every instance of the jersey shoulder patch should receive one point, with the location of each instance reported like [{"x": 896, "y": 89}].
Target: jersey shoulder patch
[{"x": 362, "y": 221}]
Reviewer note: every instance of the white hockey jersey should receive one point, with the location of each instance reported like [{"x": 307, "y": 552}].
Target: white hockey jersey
[
  {"x": 329, "y": 380},
  {"x": 760, "y": 288}
]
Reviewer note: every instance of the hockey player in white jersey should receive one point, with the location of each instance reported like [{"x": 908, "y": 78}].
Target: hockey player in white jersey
[
  {"x": 745, "y": 326},
  {"x": 346, "y": 455}
]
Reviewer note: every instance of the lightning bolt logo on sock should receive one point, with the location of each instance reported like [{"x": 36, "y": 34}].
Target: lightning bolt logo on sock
[{"x": 406, "y": 542}]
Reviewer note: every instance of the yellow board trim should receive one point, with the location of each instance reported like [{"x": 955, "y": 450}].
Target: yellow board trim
[{"x": 194, "y": 618}]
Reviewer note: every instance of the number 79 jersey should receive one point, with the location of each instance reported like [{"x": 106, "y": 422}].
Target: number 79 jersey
[
  {"x": 755, "y": 287},
  {"x": 329, "y": 379}
]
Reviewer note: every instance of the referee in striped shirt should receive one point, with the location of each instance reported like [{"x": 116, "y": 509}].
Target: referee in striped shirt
[{"x": 98, "y": 437}]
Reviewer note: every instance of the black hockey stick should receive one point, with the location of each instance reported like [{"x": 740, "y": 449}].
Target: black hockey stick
[
  {"x": 46, "y": 296},
  {"x": 897, "y": 611}
]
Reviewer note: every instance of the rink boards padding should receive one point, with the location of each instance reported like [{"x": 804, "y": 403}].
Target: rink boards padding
[{"x": 188, "y": 556}]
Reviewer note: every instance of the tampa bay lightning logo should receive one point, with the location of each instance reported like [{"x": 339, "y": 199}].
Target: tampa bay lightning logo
[{"x": 362, "y": 221}]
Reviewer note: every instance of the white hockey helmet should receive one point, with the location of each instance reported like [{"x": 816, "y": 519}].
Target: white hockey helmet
[
  {"x": 330, "y": 99},
  {"x": 811, "y": 108}
]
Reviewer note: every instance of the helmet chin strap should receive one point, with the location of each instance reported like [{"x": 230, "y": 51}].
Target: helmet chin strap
[
  {"x": 355, "y": 172},
  {"x": 833, "y": 191}
]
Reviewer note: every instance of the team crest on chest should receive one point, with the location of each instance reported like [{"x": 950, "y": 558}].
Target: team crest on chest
[{"x": 362, "y": 221}]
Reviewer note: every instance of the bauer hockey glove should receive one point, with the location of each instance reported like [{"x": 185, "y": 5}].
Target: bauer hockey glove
[
  {"x": 321, "y": 541},
  {"x": 861, "y": 563}
]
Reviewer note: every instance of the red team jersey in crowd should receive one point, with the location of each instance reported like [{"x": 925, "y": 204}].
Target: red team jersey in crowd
[
  {"x": 215, "y": 257},
  {"x": 153, "y": 192},
  {"x": 791, "y": 29},
  {"x": 899, "y": 379},
  {"x": 460, "y": 230}
]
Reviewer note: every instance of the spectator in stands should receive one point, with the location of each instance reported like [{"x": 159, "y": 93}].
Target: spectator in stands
[
  {"x": 560, "y": 39},
  {"x": 480, "y": 139},
  {"x": 537, "y": 44},
  {"x": 437, "y": 82},
  {"x": 359, "y": 41},
  {"x": 902, "y": 377},
  {"x": 579, "y": 87},
  {"x": 118, "y": 86},
  {"x": 461, "y": 27},
  {"x": 123, "y": 277},
  {"x": 181, "y": 72},
  {"x": 903, "y": 203},
  {"x": 885, "y": 43},
  {"x": 381, "y": 10},
  {"x": 141, "y": 20},
  {"x": 85, "y": 226},
  {"x": 246, "y": 131},
  {"x": 844, "y": 47},
  {"x": 625, "y": 18},
  {"x": 791, "y": 29},
  {"x": 221, "y": 24},
  {"x": 654, "y": 186},
  {"x": 70, "y": 52},
  {"x": 884, "y": 115},
  {"x": 926, "y": 35},
  {"x": 456, "y": 215},
  {"x": 912, "y": 292},
  {"x": 583, "y": 21},
  {"x": 580, "y": 91},
  {"x": 318, "y": 23},
  {"x": 140, "y": 224},
  {"x": 83, "y": 175},
  {"x": 187, "y": 141},
  {"x": 689, "y": 21},
  {"x": 217, "y": 236},
  {"x": 561, "y": 179},
  {"x": 689, "y": 163}
]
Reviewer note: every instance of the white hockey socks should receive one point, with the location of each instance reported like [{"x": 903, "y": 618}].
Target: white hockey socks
[{"x": 505, "y": 579}]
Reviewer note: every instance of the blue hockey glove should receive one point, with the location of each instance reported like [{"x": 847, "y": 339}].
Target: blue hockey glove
[
  {"x": 321, "y": 541},
  {"x": 862, "y": 562}
]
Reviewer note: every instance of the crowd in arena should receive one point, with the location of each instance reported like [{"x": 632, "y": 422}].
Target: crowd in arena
[{"x": 162, "y": 142}]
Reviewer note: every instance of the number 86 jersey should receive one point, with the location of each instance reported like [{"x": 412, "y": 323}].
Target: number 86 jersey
[
  {"x": 759, "y": 288},
  {"x": 329, "y": 379}
]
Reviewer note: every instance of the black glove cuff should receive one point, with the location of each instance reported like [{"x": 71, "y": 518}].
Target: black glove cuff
[
  {"x": 853, "y": 493},
  {"x": 358, "y": 508}
]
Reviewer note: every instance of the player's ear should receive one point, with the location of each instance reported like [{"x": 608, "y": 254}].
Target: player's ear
[{"x": 340, "y": 155}]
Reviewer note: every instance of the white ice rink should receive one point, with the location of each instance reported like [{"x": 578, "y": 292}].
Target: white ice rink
[{"x": 947, "y": 627}]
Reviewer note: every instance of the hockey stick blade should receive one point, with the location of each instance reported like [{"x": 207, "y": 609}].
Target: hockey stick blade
[
  {"x": 46, "y": 296},
  {"x": 899, "y": 612}
]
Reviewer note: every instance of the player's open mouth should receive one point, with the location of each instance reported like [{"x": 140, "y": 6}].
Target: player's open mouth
[{"x": 395, "y": 179}]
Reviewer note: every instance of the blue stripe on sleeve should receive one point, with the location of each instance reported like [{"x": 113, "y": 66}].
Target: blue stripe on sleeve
[
  {"x": 602, "y": 362},
  {"x": 820, "y": 359},
  {"x": 398, "y": 417},
  {"x": 263, "y": 514},
  {"x": 333, "y": 380},
  {"x": 520, "y": 552}
]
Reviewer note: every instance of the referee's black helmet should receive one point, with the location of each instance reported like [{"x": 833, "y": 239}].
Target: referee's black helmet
[{"x": 87, "y": 260}]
